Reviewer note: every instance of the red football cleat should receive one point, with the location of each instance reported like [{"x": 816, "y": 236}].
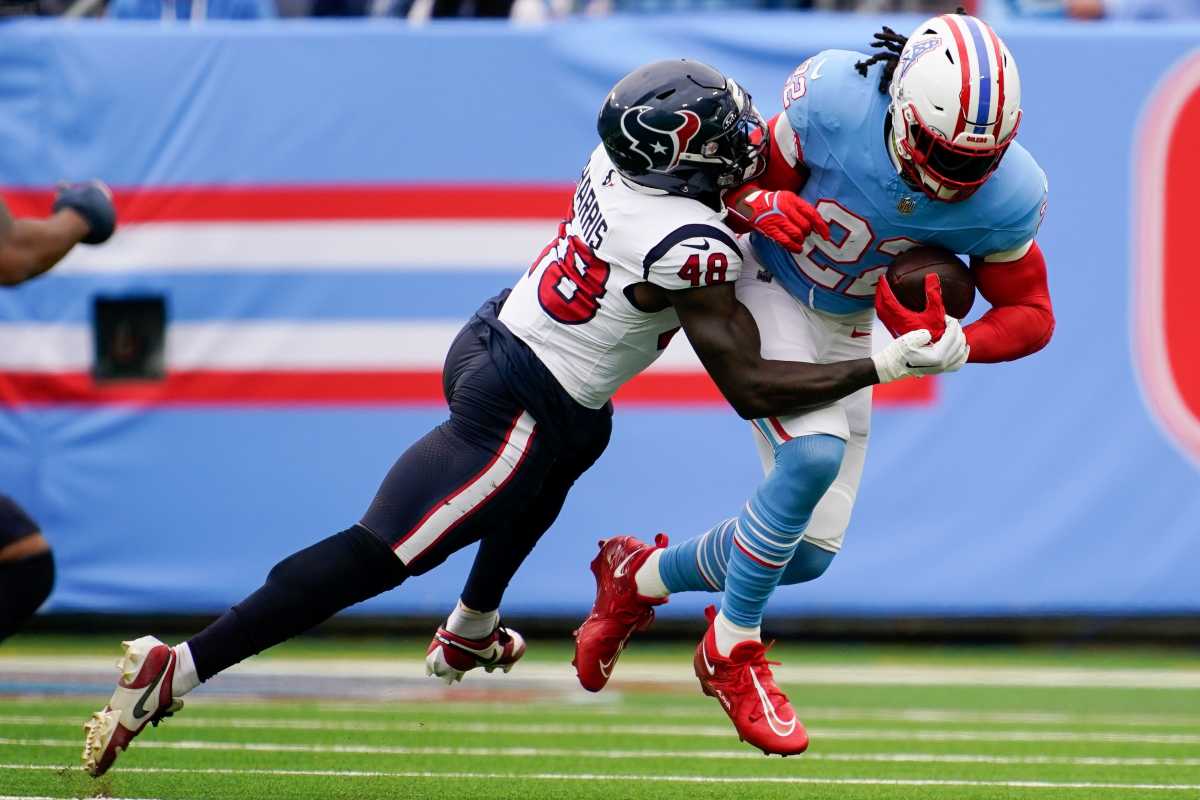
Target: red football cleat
[
  {"x": 142, "y": 697},
  {"x": 619, "y": 611},
  {"x": 450, "y": 656},
  {"x": 743, "y": 683}
]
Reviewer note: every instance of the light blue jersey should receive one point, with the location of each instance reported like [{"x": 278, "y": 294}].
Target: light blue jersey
[{"x": 838, "y": 119}]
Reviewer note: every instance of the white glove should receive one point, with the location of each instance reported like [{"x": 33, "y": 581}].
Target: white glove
[{"x": 913, "y": 355}]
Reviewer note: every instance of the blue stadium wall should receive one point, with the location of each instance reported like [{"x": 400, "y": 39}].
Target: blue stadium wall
[{"x": 1063, "y": 483}]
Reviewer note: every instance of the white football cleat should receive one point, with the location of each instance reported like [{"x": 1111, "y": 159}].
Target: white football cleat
[
  {"x": 143, "y": 695},
  {"x": 450, "y": 656}
]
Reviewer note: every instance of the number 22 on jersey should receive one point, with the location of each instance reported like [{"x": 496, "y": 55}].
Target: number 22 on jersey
[{"x": 837, "y": 268}]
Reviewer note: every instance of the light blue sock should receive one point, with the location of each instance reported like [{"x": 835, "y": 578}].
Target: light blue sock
[
  {"x": 699, "y": 564},
  {"x": 772, "y": 523}
]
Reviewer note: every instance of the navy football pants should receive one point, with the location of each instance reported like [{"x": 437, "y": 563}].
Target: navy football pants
[
  {"x": 492, "y": 473},
  {"x": 25, "y": 583}
]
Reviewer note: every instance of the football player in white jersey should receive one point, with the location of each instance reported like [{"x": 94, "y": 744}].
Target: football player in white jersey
[
  {"x": 529, "y": 381},
  {"x": 913, "y": 146}
]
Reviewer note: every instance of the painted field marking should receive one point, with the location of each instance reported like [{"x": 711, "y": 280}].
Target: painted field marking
[
  {"x": 544, "y": 673},
  {"x": 861, "y": 734},
  {"x": 582, "y": 776},
  {"x": 552, "y": 752},
  {"x": 42, "y": 797},
  {"x": 630, "y": 710},
  {"x": 615, "y": 704}
]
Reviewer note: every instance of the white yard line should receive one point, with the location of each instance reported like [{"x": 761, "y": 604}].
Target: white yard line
[
  {"x": 585, "y": 729},
  {"x": 560, "y": 752},
  {"x": 547, "y": 673},
  {"x": 619, "y": 705},
  {"x": 583, "y": 777},
  {"x": 45, "y": 797}
]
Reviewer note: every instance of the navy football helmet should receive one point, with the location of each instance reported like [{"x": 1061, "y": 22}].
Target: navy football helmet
[{"x": 683, "y": 127}]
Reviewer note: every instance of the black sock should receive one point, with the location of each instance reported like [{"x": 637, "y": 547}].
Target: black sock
[
  {"x": 24, "y": 586},
  {"x": 302, "y": 591}
]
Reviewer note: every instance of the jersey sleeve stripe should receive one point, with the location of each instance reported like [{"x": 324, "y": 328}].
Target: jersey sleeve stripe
[
  {"x": 683, "y": 233},
  {"x": 786, "y": 140}
]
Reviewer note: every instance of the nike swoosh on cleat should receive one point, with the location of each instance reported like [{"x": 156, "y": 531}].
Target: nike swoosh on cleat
[
  {"x": 606, "y": 669},
  {"x": 704, "y": 655},
  {"x": 139, "y": 710},
  {"x": 490, "y": 653},
  {"x": 619, "y": 572},
  {"x": 772, "y": 718}
]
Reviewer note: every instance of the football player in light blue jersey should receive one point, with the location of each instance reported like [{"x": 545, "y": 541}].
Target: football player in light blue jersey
[{"x": 912, "y": 146}]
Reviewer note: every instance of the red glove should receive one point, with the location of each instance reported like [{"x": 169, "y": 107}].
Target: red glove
[
  {"x": 784, "y": 217},
  {"x": 900, "y": 320}
]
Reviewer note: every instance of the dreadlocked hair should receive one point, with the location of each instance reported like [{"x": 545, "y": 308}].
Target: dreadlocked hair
[{"x": 890, "y": 45}]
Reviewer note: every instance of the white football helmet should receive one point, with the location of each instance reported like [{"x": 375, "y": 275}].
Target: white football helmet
[{"x": 956, "y": 105}]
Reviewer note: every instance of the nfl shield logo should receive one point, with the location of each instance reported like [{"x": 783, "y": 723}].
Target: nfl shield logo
[{"x": 906, "y": 205}]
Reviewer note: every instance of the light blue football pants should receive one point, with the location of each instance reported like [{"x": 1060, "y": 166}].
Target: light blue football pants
[{"x": 751, "y": 554}]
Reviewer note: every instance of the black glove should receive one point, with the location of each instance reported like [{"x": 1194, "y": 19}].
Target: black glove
[{"x": 93, "y": 201}]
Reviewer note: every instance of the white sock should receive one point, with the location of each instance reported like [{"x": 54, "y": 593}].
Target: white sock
[
  {"x": 728, "y": 634},
  {"x": 185, "y": 678},
  {"x": 649, "y": 581},
  {"x": 471, "y": 624}
]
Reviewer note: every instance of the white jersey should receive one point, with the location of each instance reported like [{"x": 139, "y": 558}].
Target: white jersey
[{"x": 573, "y": 306}]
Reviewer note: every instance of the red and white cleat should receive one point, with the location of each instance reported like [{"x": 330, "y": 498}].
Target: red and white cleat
[
  {"x": 744, "y": 685},
  {"x": 619, "y": 611},
  {"x": 143, "y": 695},
  {"x": 450, "y": 656}
]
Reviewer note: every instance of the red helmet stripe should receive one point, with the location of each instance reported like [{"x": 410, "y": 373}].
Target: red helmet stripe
[
  {"x": 685, "y": 132},
  {"x": 999, "y": 81},
  {"x": 964, "y": 97}
]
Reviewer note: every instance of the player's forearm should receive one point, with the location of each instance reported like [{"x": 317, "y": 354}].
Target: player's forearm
[
  {"x": 785, "y": 171},
  {"x": 782, "y": 388},
  {"x": 1021, "y": 320},
  {"x": 33, "y": 246},
  {"x": 1007, "y": 333}
]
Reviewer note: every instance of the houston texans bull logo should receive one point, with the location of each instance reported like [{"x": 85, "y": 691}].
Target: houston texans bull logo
[{"x": 660, "y": 137}]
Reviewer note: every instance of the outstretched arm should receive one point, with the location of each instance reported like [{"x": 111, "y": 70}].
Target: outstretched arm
[
  {"x": 28, "y": 247},
  {"x": 725, "y": 337}
]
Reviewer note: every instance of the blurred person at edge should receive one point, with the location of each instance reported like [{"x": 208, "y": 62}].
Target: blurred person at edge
[
  {"x": 83, "y": 213},
  {"x": 1126, "y": 10},
  {"x": 192, "y": 10}
]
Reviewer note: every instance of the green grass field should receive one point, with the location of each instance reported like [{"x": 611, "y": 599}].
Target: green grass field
[{"x": 334, "y": 719}]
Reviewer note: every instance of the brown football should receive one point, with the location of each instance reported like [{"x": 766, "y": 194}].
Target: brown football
[{"x": 907, "y": 274}]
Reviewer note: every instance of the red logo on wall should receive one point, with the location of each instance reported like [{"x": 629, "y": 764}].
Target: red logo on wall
[{"x": 1166, "y": 327}]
